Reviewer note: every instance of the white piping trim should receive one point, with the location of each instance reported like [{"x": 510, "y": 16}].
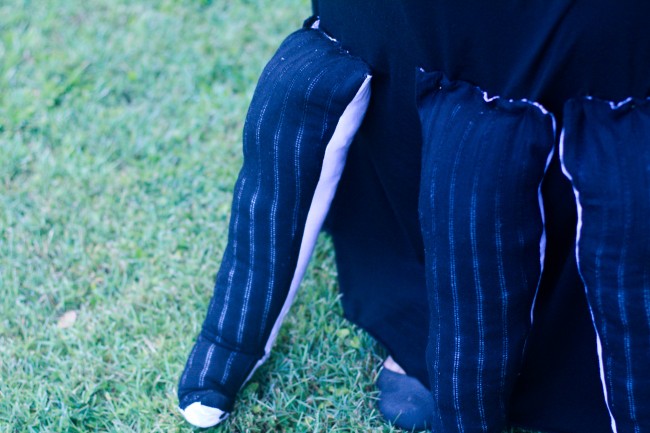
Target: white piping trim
[
  {"x": 618, "y": 105},
  {"x": 316, "y": 26},
  {"x": 612, "y": 104},
  {"x": 599, "y": 346},
  {"x": 333, "y": 163},
  {"x": 543, "y": 110},
  {"x": 487, "y": 98}
]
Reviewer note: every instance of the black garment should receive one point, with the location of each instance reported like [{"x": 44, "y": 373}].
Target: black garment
[{"x": 545, "y": 51}]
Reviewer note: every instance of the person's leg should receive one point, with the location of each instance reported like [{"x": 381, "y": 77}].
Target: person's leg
[
  {"x": 308, "y": 103},
  {"x": 483, "y": 162},
  {"x": 605, "y": 151}
]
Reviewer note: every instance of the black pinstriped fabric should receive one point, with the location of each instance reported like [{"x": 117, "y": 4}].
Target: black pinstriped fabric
[
  {"x": 545, "y": 50},
  {"x": 606, "y": 153},
  {"x": 483, "y": 162},
  {"x": 299, "y": 99}
]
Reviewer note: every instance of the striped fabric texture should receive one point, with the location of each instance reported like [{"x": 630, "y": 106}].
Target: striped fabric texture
[
  {"x": 307, "y": 105},
  {"x": 605, "y": 151},
  {"x": 480, "y": 211}
]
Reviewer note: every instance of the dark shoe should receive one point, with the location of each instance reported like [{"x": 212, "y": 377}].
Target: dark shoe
[{"x": 403, "y": 400}]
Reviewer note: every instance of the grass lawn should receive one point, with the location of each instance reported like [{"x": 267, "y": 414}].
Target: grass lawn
[{"x": 120, "y": 126}]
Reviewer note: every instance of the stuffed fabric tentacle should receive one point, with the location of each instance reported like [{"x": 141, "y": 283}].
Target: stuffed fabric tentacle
[
  {"x": 605, "y": 151},
  {"x": 482, "y": 165},
  {"x": 307, "y": 106}
]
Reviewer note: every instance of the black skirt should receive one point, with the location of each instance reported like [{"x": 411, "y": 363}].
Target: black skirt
[{"x": 543, "y": 51}]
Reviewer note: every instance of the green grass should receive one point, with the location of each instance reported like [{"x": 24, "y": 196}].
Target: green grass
[{"x": 120, "y": 126}]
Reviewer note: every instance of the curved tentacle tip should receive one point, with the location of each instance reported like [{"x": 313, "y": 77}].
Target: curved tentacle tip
[{"x": 203, "y": 416}]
